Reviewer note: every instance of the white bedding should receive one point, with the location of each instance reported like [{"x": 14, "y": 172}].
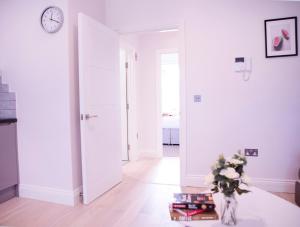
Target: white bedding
[{"x": 170, "y": 121}]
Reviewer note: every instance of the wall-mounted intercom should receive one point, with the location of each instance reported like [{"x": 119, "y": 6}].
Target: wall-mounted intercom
[{"x": 243, "y": 65}]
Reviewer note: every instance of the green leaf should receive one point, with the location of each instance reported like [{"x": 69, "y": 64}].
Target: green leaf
[
  {"x": 241, "y": 191},
  {"x": 215, "y": 189}
]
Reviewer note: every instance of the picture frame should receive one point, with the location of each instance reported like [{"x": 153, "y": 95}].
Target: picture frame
[{"x": 281, "y": 37}]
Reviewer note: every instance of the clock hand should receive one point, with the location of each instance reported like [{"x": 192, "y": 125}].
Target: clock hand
[{"x": 55, "y": 20}]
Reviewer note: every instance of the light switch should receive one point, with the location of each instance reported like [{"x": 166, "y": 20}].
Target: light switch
[
  {"x": 197, "y": 98},
  {"x": 251, "y": 152}
]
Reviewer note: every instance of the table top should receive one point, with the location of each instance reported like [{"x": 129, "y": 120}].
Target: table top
[{"x": 258, "y": 208}]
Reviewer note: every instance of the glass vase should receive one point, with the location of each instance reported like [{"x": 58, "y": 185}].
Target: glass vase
[{"x": 228, "y": 210}]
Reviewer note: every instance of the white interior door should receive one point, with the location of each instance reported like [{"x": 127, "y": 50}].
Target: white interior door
[{"x": 99, "y": 83}]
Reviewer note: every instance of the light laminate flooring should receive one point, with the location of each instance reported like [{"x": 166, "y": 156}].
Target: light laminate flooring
[{"x": 141, "y": 200}]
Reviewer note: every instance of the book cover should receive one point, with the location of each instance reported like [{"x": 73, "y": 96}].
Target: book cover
[
  {"x": 190, "y": 206},
  {"x": 193, "y": 198},
  {"x": 177, "y": 216},
  {"x": 188, "y": 212},
  {"x": 194, "y": 201}
]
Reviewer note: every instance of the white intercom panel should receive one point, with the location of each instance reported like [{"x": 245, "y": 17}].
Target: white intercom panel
[
  {"x": 239, "y": 65},
  {"x": 242, "y": 64}
]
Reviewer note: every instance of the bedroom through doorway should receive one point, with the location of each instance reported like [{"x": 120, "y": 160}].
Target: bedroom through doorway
[{"x": 170, "y": 95}]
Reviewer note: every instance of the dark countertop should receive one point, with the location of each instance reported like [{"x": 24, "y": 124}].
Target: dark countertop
[{"x": 8, "y": 121}]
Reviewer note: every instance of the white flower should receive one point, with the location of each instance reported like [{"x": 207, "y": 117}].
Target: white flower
[
  {"x": 240, "y": 155},
  {"x": 227, "y": 158},
  {"x": 230, "y": 173},
  {"x": 216, "y": 166},
  {"x": 245, "y": 179},
  {"x": 236, "y": 161},
  {"x": 209, "y": 179}
]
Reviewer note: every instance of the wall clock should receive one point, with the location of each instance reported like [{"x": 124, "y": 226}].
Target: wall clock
[{"x": 52, "y": 19}]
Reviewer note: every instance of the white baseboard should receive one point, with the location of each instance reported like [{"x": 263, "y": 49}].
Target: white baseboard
[
  {"x": 53, "y": 195},
  {"x": 77, "y": 196},
  {"x": 133, "y": 155},
  {"x": 272, "y": 185},
  {"x": 275, "y": 185}
]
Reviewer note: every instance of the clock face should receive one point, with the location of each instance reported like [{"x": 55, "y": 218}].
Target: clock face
[{"x": 52, "y": 19}]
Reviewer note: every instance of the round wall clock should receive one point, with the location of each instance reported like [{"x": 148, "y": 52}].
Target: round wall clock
[{"x": 52, "y": 19}]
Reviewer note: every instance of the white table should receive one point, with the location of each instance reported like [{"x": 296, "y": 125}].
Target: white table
[{"x": 257, "y": 209}]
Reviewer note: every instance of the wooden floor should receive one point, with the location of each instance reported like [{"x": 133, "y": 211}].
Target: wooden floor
[{"x": 141, "y": 200}]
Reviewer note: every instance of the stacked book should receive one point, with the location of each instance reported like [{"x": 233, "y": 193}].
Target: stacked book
[{"x": 193, "y": 207}]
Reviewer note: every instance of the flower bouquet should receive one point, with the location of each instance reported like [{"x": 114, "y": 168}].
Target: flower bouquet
[{"x": 227, "y": 177}]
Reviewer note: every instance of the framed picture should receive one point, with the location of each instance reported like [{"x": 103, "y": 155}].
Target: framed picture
[{"x": 281, "y": 37}]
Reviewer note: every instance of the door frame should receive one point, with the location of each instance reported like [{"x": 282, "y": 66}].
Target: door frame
[
  {"x": 183, "y": 105},
  {"x": 123, "y": 97},
  {"x": 129, "y": 51}
]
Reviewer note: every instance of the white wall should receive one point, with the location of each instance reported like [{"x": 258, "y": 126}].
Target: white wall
[
  {"x": 43, "y": 71},
  {"x": 96, "y": 10},
  {"x": 35, "y": 64},
  {"x": 147, "y": 87},
  {"x": 261, "y": 113}
]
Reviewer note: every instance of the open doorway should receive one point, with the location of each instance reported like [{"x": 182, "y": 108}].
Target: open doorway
[
  {"x": 157, "y": 86},
  {"x": 168, "y": 61},
  {"x": 155, "y": 83},
  {"x": 157, "y": 92}
]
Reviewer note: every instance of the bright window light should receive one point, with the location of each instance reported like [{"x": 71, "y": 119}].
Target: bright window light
[
  {"x": 170, "y": 83},
  {"x": 170, "y": 30}
]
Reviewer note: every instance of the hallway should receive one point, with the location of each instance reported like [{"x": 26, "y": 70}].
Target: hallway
[{"x": 163, "y": 171}]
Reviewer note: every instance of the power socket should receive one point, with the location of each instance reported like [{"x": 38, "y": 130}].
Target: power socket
[{"x": 251, "y": 152}]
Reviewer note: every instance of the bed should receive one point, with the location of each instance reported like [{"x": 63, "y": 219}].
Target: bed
[{"x": 170, "y": 125}]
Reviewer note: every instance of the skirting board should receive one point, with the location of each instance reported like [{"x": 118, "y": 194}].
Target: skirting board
[
  {"x": 272, "y": 185},
  {"x": 53, "y": 195}
]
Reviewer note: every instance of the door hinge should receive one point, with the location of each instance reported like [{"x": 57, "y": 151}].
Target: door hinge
[
  {"x": 81, "y": 117},
  {"x": 127, "y": 106},
  {"x": 135, "y": 56},
  {"x": 126, "y": 65},
  {"x": 128, "y": 147},
  {"x": 80, "y": 194}
]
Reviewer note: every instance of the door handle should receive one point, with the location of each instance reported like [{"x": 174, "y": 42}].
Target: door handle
[{"x": 88, "y": 116}]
